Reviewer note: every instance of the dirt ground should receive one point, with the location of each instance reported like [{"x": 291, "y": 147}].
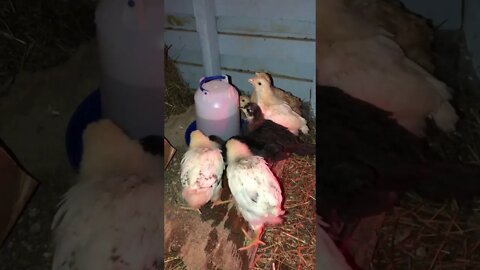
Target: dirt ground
[{"x": 33, "y": 119}]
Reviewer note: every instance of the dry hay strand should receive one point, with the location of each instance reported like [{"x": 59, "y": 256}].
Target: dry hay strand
[
  {"x": 40, "y": 34},
  {"x": 172, "y": 262},
  {"x": 178, "y": 96},
  {"x": 421, "y": 234},
  {"x": 291, "y": 245}
]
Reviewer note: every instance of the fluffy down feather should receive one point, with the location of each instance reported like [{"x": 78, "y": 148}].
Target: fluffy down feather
[
  {"x": 201, "y": 171},
  {"x": 110, "y": 220},
  {"x": 254, "y": 187},
  {"x": 367, "y": 64},
  {"x": 274, "y": 108}
]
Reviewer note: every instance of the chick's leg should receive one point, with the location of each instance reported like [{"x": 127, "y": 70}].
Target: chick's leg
[
  {"x": 255, "y": 240},
  {"x": 220, "y": 202},
  {"x": 216, "y": 197}
]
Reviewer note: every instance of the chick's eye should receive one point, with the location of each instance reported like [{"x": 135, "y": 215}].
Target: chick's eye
[{"x": 259, "y": 83}]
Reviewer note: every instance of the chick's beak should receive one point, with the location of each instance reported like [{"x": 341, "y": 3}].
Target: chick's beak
[{"x": 250, "y": 80}]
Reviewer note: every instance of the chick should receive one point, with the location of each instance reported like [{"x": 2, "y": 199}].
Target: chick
[
  {"x": 276, "y": 139},
  {"x": 255, "y": 189},
  {"x": 243, "y": 101},
  {"x": 274, "y": 108},
  {"x": 370, "y": 64},
  {"x": 201, "y": 171},
  {"x": 114, "y": 207},
  {"x": 294, "y": 102},
  {"x": 412, "y": 32}
]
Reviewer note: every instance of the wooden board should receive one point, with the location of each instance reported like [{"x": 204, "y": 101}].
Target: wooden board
[
  {"x": 248, "y": 37},
  {"x": 16, "y": 188}
]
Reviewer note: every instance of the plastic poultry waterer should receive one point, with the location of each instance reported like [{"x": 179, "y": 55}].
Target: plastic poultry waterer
[{"x": 217, "y": 107}]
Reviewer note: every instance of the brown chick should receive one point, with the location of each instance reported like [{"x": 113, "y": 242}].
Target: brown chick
[
  {"x": 412, "y": 33},
  {"x": 274, "y": 108},
  {"x": 294, "y": 102}
]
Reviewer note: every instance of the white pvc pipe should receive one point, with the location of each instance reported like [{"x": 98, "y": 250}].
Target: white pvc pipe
[{"x": 204, "y": 11}]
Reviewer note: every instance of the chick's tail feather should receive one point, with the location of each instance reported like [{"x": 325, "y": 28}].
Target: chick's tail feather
[
  {"x": 274, "y": 220},
  {"x": 305, "y": 149},
  {"x": 445, "y": 117},
  {"x": 445, "y": 180}
]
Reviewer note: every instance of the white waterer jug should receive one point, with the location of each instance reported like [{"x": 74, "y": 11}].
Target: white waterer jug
[
  {"x": 131, "y": 46},
  {"x": 217, "y": 107}
]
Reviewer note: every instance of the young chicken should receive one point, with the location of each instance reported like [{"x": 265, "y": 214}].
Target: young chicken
[
  {"x": 274, "y": 108},
  {"x": 277, "y": 141},
  {"x": 412, "y": 32},
  {"x": 294, "y": 102},
  {"x": 111, "y": 219},
  {"x": 201, "y": 171},
  {"x": 244, "y": 100},
  {"x": 362, "y": 59},
  {"x": 255, "y": 189}
]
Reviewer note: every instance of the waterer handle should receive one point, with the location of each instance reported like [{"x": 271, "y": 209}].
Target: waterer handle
[{"x": 210, "y": 78}]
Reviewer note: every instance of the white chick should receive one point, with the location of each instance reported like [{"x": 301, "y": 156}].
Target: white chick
[
  {"x": 255, "y": 189},
  {"x": 274, "y": 108},
  {"x": 201, "y": 171},
  {"x": 111, "y": 219}
]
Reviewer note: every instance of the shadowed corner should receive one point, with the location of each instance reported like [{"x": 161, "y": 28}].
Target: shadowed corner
[
  {"x": 158, "y": 145},
  {"x": 168, "y": 151}
]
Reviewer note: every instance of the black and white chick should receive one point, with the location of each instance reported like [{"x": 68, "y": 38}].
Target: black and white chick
[
  {"x": 255, "y": 190},
  {"x": 202, "y": 168},
  {"x": 275, "y": 140},
  {"x": 111, "y": 218}
]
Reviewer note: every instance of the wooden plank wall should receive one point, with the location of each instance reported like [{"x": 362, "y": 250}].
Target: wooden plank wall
[
  {"x": 472, "y": 31},
  {"x": 253, "y": 35}
]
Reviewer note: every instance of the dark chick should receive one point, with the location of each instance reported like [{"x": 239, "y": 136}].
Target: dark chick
[
  {"x": 276, "y": 139},
  {"x": 153, "y": 144},
  {"x": 367, "y": 161}
]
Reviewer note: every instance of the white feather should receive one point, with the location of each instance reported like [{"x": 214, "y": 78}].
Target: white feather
[
  {"x": 255, "y": 189},
  {"x": 201, "y": 174},
  {"x": 111, "y": 219},
  {"x": 283, "y": 115},
  {"x": 110, "y": 224}
]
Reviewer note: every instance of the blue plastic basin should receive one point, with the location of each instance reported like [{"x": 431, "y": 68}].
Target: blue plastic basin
[
  {"x": 193, "y": 126},
  {"x": 90, "y": 110}
]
